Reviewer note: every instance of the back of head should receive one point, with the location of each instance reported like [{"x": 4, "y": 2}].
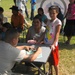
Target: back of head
[
  {"x": 1, "y": 9},
  {"x": 11, "y": 34},
  {"x": 7, "y": 25}
]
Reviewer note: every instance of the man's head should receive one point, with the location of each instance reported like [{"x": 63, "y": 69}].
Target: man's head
[{"x": 11, "y": 36}]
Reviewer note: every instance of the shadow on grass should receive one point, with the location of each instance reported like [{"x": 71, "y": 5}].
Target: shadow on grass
[{"x": 66, "y": 46}]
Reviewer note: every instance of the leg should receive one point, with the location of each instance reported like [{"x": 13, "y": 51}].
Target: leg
[
  {"x": 32, "y": 14},
  {"x": 56, "y": 69},
  {"x": 26, "y": 12},
  {"x": 68, "y": 39}
]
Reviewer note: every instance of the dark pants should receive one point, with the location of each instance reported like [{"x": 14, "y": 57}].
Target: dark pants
[
  {"x": 26, "y": 12},
  {"x": 32, "y": 14}
]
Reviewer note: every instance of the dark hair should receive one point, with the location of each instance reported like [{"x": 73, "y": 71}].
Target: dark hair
[
  {"x": 7, "y": 25},
  {"x": 60, "y": 15},
  {"x": 54, "y": 7},
  {"x": 38, "y": 17},
  {"x": 10, "y": 34},
  {"x": 41, "y": 9},
  {"x": 1, "y": 9}
]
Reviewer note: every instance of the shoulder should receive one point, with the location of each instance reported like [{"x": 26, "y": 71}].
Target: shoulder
[{"x": 58, "y": 22}]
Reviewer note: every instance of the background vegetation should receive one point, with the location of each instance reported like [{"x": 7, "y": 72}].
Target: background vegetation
[{"x": 66, "y": 52}]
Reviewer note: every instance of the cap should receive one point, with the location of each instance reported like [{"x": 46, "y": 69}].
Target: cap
[{"x": 14, "y": 8}]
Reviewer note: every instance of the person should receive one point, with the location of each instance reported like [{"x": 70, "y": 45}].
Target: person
[
  {"x": 11, "y": 53},
  {"x": 21, "y": 4},
  {"x": 36, "y": 31},
  {"x": 69, "y": 29},
  {"x": 51, "y": 37},
  {"x": 1, "y": 13},
  {"x": 33, "y": 7},
  {"x": 61, "y": 17},
  {"x": 14, "y": 2},
  {"x": 1, "y": 28},
  {"x": 17, "y": 19},
  {"x": 41, "y": 13},
  {"x": 5, "y": 27},
  {"x": 26, "y": 11}
]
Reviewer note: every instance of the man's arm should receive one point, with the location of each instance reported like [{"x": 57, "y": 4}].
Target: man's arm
[{"x": 32, "y": 57}]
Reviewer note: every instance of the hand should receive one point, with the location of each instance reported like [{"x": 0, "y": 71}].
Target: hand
[
  {"x": 52, "y": 47},
  {"x": 29, "y": 48}
]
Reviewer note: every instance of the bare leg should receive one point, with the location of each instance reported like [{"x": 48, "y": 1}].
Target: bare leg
[
  {"x": 68, "y": 39},
  {"x": 56, "y": 69}
]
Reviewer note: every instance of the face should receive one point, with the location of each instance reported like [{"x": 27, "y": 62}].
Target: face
[
  {"x": 14, "y": 12},
  {"x": 37, "y": 24},
  {"x": 40, "y": 12},
  {"x": 53, "y": 14}
]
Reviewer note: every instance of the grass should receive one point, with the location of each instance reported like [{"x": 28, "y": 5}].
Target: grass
[{"x": 66, "y": 52}]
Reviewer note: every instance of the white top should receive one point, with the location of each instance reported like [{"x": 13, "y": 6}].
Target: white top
[
  {"x": 8, "y": 56},
  {"x": 50, "y": 31},
  {"x": 33, "y": 34},
  {"x": 21, "y": 5}
]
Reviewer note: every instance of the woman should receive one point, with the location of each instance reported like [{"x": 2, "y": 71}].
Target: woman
[
  {"x": 42, "y": 15},
  {"x": 36, "y": 31}
]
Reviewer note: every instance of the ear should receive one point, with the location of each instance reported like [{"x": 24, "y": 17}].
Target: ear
[{"x": 14, "y": 40}]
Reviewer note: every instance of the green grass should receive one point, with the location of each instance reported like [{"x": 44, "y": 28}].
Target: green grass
[{"x": 66, "y": 52}]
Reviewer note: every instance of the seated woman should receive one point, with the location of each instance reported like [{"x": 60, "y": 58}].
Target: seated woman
[{"x": 36, "y": 32}]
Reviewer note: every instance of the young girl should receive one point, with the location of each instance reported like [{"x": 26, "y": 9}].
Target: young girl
[
  {"x": 69, "y": 29},
  {"x": 51, "y": 36}
]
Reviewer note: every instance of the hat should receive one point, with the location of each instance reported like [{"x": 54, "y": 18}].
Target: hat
[{"x": 14, "y": 8}]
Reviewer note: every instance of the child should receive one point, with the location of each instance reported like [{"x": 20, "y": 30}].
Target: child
[
  {"x": 5, "y": 27},
  {"x": 69, "y": 29},
  {"x": 51, "y": 36}
]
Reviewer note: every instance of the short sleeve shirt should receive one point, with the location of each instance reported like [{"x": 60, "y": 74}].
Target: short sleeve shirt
[
  {"x": 34, "y": 34},
  {"x": 33, "y": 6},
  {"x": 8, "y": 56},
  {"x": 50, "y": 31},
  {"x": 18, "y": 20}
]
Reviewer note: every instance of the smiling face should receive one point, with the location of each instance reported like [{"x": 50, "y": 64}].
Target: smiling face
[
  {"x": 37, "y": 24},
  {"x": 53, "y": 14}
]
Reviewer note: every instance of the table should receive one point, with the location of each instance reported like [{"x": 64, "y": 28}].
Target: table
[{"x": 45, "y": 54}]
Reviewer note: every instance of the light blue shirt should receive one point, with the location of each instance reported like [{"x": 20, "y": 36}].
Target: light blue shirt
[{"x": 33, "y": 6}]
